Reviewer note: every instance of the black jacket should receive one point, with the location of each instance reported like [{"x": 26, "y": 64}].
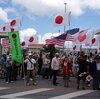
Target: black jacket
[{"x": 93, "y": 69}]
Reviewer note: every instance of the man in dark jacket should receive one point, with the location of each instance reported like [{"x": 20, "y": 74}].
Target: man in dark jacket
[
  {"x": 83, "y": 70},
  {"x": 40, "y": 63},
  {"x": 96, "y": 73}
]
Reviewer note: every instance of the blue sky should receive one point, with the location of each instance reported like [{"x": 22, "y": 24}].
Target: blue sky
[{"x": 38, "y": 15}]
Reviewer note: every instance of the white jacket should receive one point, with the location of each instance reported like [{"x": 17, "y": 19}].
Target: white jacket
[{"x": 55, "y": 65}]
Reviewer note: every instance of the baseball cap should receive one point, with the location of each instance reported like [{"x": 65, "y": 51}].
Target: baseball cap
[
  {"x": 57, "y": 54},
  {"x": 30, "y": 54}
]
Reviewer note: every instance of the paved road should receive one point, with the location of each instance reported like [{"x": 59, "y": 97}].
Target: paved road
[{"x": 45, "y": 90}]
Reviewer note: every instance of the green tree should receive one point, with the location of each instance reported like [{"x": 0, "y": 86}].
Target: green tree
[{"x": 50, "y": 49}]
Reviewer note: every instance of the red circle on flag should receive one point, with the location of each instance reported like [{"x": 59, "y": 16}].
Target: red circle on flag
[
  {"x": 74, "y": 47},
  {"x": 31, "y": 39},
  {"x": 4, "y": 28},
  {"x": 13, "y": 22},
  {"x": 23, "y": 43},
  {"x": 93, "y": 40},
  {"x": 58, "y": 19},
  {"x": 12, "y": 29},
  {"x": 14, "y": 35},
  {"x": 81, "y": 37}
]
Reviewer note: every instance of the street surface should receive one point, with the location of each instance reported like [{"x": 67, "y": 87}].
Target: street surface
[{"x": 45, "y": 90}]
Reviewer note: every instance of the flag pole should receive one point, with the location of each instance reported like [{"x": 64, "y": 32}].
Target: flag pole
[
  {"x": 23, "y": 70},
  {"x": 23, "y": 66},
  {"x": 81, "y": 48},
  {"x": 69, "y": 18},
  {"x": 64, "y": 25},
  {"x": 99, "y": 44},
  {"x": 65, "y": 12}
]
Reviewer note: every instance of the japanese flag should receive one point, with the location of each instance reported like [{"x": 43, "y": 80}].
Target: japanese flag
[
  {"x": 96, "y": 41},
  {"x": 33, "y": 39},
  {"x": 24, "y": 44},
  {"x": 89, "y": 40},
  {"x": 80, "y": 37},
  {"x": 76, "y": 47},
  {"x": 9, "y": 29},
  {"x": 14, "y": 23},
  {"x": 62, "y": 19},
  {"x": 12, "y": 26},
  {"x": 29, "y": 40}
]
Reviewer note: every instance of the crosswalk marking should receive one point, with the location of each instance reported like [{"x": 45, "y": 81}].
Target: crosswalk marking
[
  {"x": 73, "y": 94},
  {"x": 14, "y": 95},
  {"x": 1, "y": 88},
  {"x": 22, "y": 98},
  {"x": 65, "y": 96}
]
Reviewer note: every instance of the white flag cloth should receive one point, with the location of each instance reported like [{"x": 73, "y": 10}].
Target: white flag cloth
[
  {"x": 12, "y": 26},
  {"x": 62, "y": 19}
]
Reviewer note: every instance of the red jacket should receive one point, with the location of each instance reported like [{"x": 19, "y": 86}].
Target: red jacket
[{"x": 67, "y": 68}]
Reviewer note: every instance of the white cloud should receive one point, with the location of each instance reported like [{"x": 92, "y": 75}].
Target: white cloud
[
  {"x": 92, "y": 4},
  {"x": 47, "y": 36},
  {"x": 49, "y": 7},
  {"x": 3, "y": 15},
  {"x": 9, "y": 9}
]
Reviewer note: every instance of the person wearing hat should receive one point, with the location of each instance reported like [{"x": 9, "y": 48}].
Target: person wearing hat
[
  {"x": 30, "y": 68},
  {"x": 96, "y": 73}
]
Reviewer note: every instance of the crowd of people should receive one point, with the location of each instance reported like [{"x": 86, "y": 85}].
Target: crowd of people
[{"x": 83, "y": 67}]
